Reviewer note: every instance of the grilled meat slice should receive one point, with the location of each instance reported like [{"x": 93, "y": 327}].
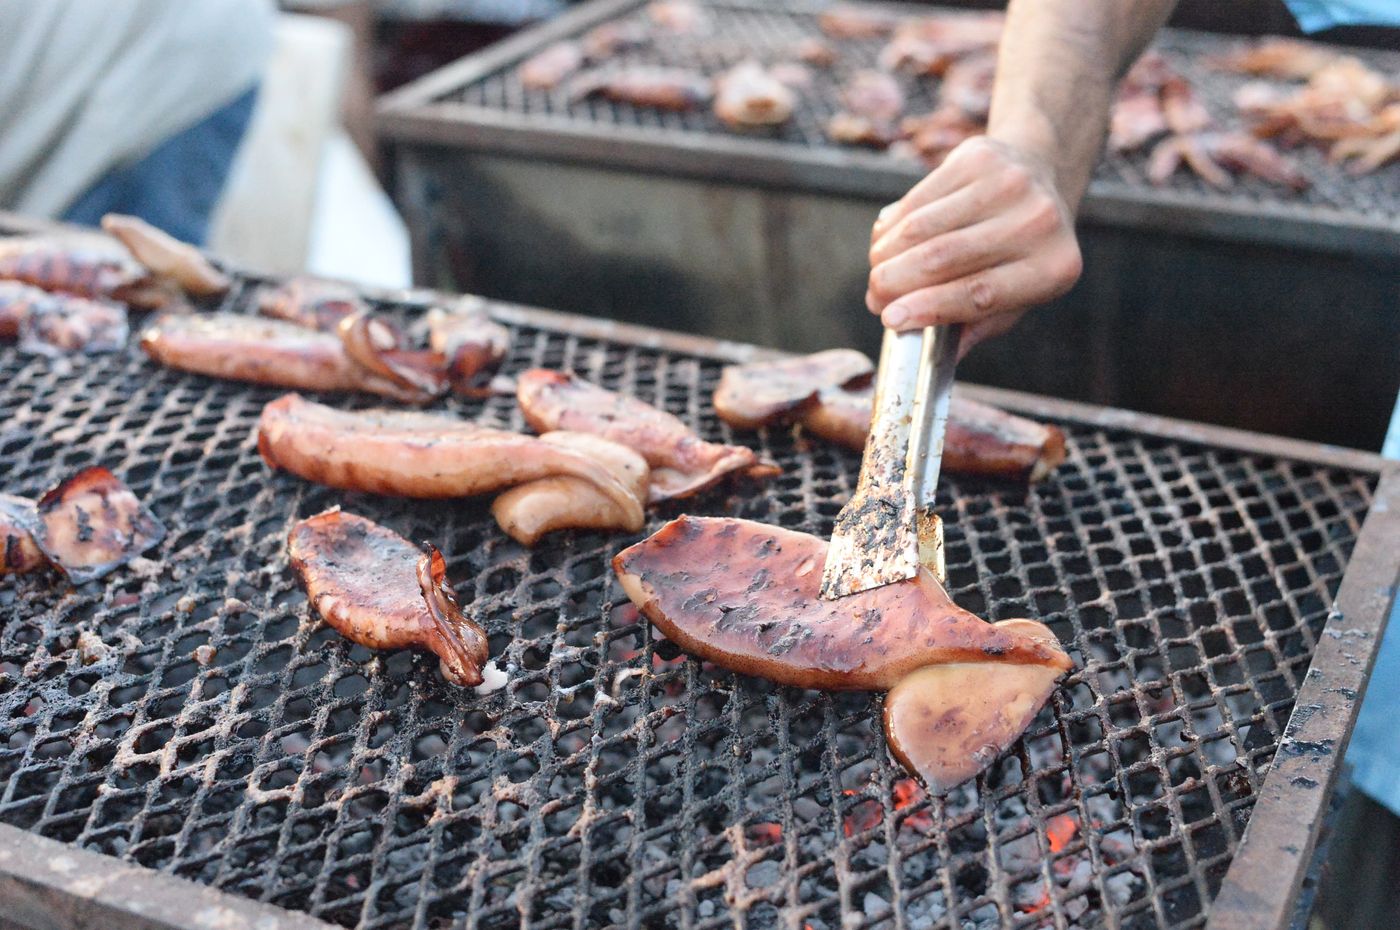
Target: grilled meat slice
[
  {"x": 933, "y": 135},
  {"x": 379, "y": 590},
  {"x": 1278, "y": 57},
  {"x": 851, "y": 129},
  {"x": 1137, "y": 119},
  {"x": 472, "y": 344},
  {"x": 746, "y": 596},
  {"x": 1214, "y": 156},
  {"x": 661, "y": 88},
  {"x": 562, "y": 502},
  {"x": 166, "y": 257},
  {"x": 548, "y": 69},
  {"x": 90, "y": 525},
  {"x": 682, "y": 464},
  {"x": 281, "y": 354},
  {"x": 814, "y": 52},
  {"x": 931, "y": 44},
  {"x": 1181, "y": 108},
  {"x": 760, "y": 393},
  {"x": 84, "y": 265},
  {"x": 948, "y": 722},
  {"x": 749, "y": 95},
  {"x": 54, "y": 324},
  {"x": 678, "y": 17},
  {"x": 829, "y": 394},
  {"x": 313, "y": 303},
  {"x": 621, "y": 35},
  {"x": 19, "y": 525},
  {"x": 851, "y": 21},
  {"x": 874, "y": 95},
  {"x": 419, "y": 455}
]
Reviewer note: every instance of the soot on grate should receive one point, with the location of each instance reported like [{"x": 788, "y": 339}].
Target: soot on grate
[
  {"x": 220, "y": 732},
  {"x": 768, "y": 30}
]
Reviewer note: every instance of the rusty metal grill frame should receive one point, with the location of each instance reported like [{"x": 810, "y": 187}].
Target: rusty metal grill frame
[
  {"x": 1189, "y": 569},
  {"x": 477, "y": 104}
]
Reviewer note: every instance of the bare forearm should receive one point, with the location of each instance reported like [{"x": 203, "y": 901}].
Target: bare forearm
[{"x": 1059, "y": 63}]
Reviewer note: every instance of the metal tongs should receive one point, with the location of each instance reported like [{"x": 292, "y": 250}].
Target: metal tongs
[{"x": 887, "y": 529}]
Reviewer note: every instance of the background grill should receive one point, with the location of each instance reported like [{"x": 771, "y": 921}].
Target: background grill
[{"x": 613, "y": 781}]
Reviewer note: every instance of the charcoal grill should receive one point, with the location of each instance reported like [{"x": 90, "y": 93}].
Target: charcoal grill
[
  {"x": 616, "y": 211},
  {"x": 1222, "y": 594}
]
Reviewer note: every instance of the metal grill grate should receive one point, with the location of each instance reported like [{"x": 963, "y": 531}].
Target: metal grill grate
[
  {"x": 486, "y": 93},
  {"x": 614, "y": 782}
]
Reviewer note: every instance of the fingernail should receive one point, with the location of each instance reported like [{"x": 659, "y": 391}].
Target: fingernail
[
  {"x": 870, "y": 303},
  {"x": 884, "y": 215},
  {"x": 894, "y": 317}
]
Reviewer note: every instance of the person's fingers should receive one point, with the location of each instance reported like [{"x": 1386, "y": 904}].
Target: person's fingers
[
  {"x": 987, "y": 293},
  {"x": 1030, "y": 227},
  {"x": 945, "y": 258},
  {"x": 954, "y": 173},
  {"x": 963, "y": 207}
]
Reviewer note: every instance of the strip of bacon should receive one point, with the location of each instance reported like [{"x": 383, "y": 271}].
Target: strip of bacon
[
  {"x": 682, "y": 464},
  {"x": 379, "y": 590},
  {"x": 420, "y": 455}
]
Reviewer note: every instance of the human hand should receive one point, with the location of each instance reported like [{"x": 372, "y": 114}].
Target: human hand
[{"x": 979, "y": 241}]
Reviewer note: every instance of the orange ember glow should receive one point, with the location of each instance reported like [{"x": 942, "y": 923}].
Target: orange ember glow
[
  {"x": 1060, "y": 830},
  {"x": 864, "y": 816},
  {"x": 768, "y": 834},
  {"x": 1039, "y": 905},
  {"x": 907, "y": 792}
]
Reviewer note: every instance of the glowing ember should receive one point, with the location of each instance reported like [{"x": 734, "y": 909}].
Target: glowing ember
[
  {"x": 908, "y": 792},
  {"x": 767, "y": 834},
  {"x": 863, "y": 816},
  {"x": 1060, "y": 831}
]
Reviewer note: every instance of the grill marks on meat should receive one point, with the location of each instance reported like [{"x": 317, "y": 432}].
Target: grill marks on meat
[
  {"x": 829, "y": 394},
  {"x": 87, "y": 526},
  {"x": 422, "y": 455},
  {"x": 379, "y": 590},
  {"x": 682, "y": 464},
  {"x": 58, "y": 324},
  {"x": 531, "y": 510},
  {"x": 746, "y": 596},
  {"x": 749, "y": 95},
  {"x": 274, "y": 352}
]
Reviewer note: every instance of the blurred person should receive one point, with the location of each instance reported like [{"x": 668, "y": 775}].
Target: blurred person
[{"x": 129, "y": 106}]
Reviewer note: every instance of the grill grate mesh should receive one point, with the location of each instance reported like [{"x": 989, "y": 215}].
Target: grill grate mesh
[
  {"x": 613, "y": 782},
  {"x": 767, "y": 30}
]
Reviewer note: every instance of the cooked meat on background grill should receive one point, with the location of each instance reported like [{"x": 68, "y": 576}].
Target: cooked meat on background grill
[
  {"x": 829, "y": 394},
  {"x": 377, "y": 589},
  {"x": 548, "y": 69},
  {"x": 967, "y": 85},
  {"x": 423, "y": 455},
  {"x": 682, "y": 464},
  {"x": 678, "y": 17},
  {"x": 48, "y": 323},
  {"x": 850, "y": 129},
  {"x": 932, "y": 136},
  {"x": 603, "y": 42},
  {"x": 1214, "y": 156},
  {"x": 931, "y": 44},
  {"x": 814, "y": 52},
  {"x": 746, "y": 596},
  {"x": 86, "y": 527},
  {"x": 873, "y": 94},
  {"x": 472, "y": 344},
  {"x": 112, "y": 267},
  {"x": 360, "y": 356},
  {"x": 1277, "y": 57},
  {"x": 1140, "y": 112},
  {"x": 661, "y": 88},
  {"x": 313, "y": 303},
  {"x": 851, "y": 21},
  {"x": 748, "y": 95},
  {"x": 561, "y": 502}
]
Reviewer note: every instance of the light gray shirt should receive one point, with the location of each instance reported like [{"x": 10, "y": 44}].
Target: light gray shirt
[{"x": 88, "y": 85}]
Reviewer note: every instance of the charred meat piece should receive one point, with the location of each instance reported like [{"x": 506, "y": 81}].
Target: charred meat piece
[
  {"x": 86, "y": 527},
  {"x": 548, "y": 69},
  {"x": 310, "y": 302},
  {"x": 19, "y": 525},
  {"x": 968, "y": 83},
  {"x": 931, "y": 44},
  {"x": 84, "y": 265},
  {"x": 748, "y": 95},
  {"x": 561, "y": 502},
  {"x": 746, "y": 596},
  {"x": 948, "y": 722},
  {"x": 873, "y": 94},
  {"x": 1154, "y": 99},
  {"x": 815, "y": 52},
  {"x": 1214, "y": 156},
  {"x": 54, "y": 324},
  {"x": 762, "y": 393},
  {"x": 472, "y": 344},
  {"x": 661, "y": 88},
  {"x": 850, "y": 21},
  {"x": 829, "y": 394},
  {"x": 1278, "y": 58},
  {"x": 379, "y": 590},
  {"x": 682, "y": 464},
  {"x": 1181, "y": 108},
  {"x": 419, "y": 455},
  {"x": 274, "y": 352},
  {"x": 850, "y": 129},
  {"x": 166, "y": 257},
  {"x": 933, "y": 135}
]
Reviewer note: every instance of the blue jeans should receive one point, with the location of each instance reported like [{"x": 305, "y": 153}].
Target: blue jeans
[{"x": 175, "y": 186}]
